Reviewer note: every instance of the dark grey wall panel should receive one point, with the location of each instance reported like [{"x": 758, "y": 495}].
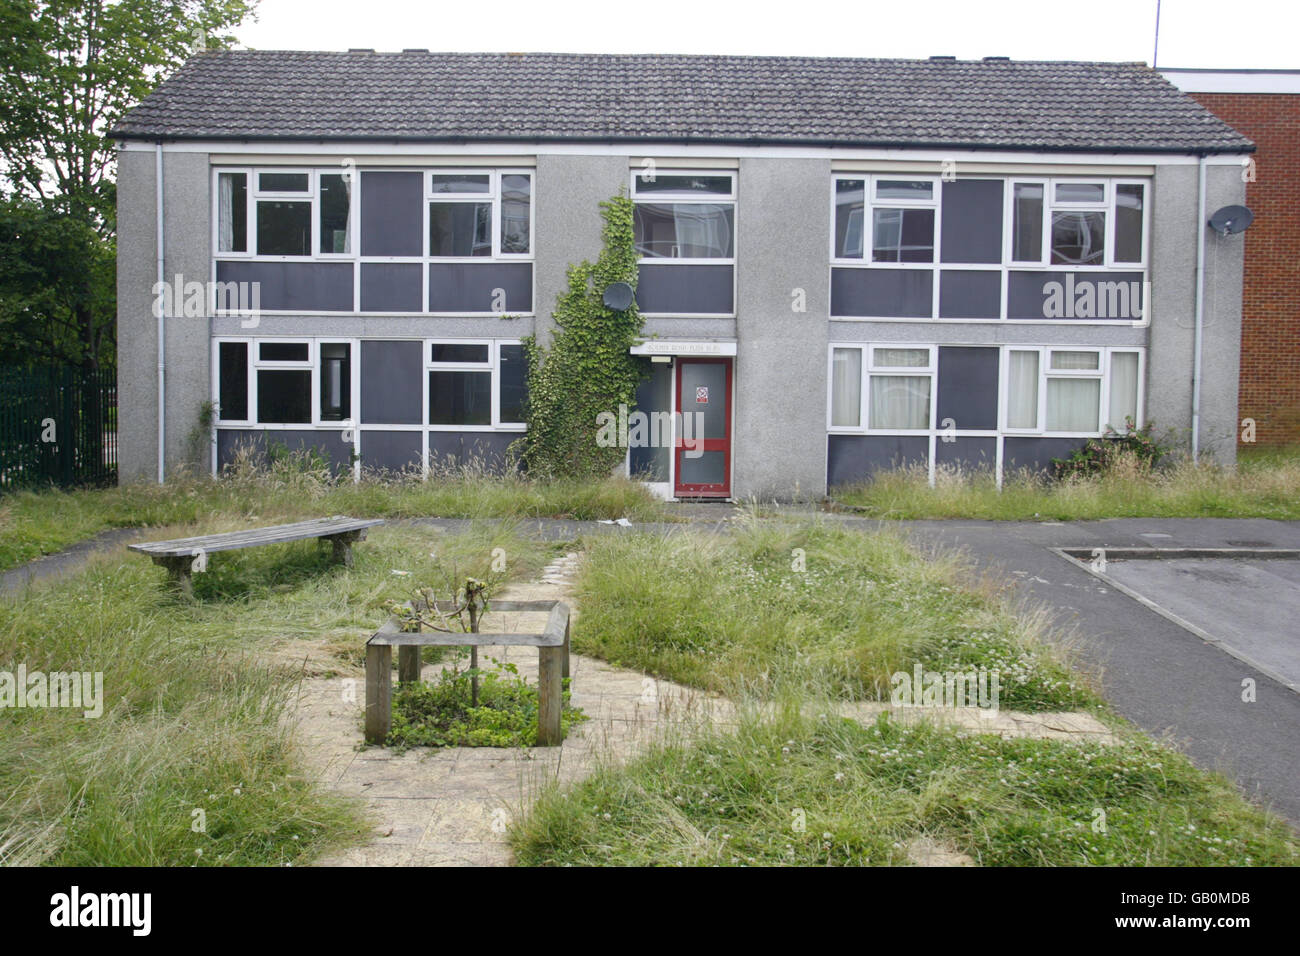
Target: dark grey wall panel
[
  {"x": 968, "y": 388},
  {"x": 1036, "y": 453},
  {"x": 392, "y": 214},
  {"x": 685, "y": 290},
  {"x": 968, "y": 452},
  {"x": 972, "y": 221},
  {"x": 391, "y": 287},
  {"x": 480, "y": 449},
  {"x": 853, "y": 458},
  {"x": 392, "y": 383},
  {"x": 295, "y": 286},
  {"x": 1027, "y": 295},
  {"x": 391, "y": 451},
  {"x": 472, "y": 286},
  {"x": 328, "y": 444},
  {"x": 970, "y": 295},
  {"x": 890, "y": 293}
]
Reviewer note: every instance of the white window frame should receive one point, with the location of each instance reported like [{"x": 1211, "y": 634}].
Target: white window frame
[
  {"x": 311, "y": 196},
  {"x": 312, "y": 364},
  {"x": 492, "y": 366},
  {"x": 248, "y": 420},
  {"x": 1102, "y": 374},
  {"x": 493, "y": 198},
  {"x": 870, "y": 368},
  {"x": 686, "y": 197},
  {"x": 1050, "y": 204},
  {"x": 870, "y": 203}
]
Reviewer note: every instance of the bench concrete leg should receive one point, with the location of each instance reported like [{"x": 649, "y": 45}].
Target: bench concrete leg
[
  {"x": 343, "y": 546},
  {"x": 178, "y": 569},
  {"x": 408, "y": 664},
  {"x": 550, "y": 697},
  {"x": 379, "y": 692}
]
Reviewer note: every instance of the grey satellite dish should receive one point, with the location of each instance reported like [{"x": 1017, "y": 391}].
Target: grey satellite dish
[
  {"x": 618, "y": 296},
  {"x": 1231, "y": 220}
]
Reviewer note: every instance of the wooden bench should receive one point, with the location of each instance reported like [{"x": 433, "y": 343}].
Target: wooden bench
[
  {"x": 552, "y": 665},
  {"x": 183, "y": 557}
]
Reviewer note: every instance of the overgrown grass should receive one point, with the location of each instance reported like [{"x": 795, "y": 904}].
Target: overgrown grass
[
  {"x": 733, "y": 613},
  {"x": 1262, "y": 486},
  {"x": 198, "y": 696},
  {"x": 813, "y": 791},
  {"x": 36, "y": 523}
]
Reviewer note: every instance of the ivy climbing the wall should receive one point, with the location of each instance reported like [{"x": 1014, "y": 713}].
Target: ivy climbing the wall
[{"x": 587, "y": 369}]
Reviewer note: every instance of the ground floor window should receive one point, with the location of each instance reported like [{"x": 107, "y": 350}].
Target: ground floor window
[
  {"x": 1071, "y": 391},
  {"x": 472, "y": 384},
  {"x": 889, "y": 387},
  {"x": 1034, "y": 390}
]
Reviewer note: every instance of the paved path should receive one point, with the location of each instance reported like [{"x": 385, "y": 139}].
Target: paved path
[{"x": 452, "y": 806}]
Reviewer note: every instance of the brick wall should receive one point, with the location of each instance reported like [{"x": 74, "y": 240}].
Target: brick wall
[{"x": 1270, "y": 330}]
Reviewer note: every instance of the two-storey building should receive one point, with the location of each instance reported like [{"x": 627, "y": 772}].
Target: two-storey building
[{"x": 846, "y": 264}]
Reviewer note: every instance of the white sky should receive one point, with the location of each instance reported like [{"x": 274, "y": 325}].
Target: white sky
[{"x": 1257, "y": 34}]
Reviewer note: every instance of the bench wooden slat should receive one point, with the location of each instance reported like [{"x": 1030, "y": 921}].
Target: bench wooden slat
[
  {"x": 255, "y": 537},
  {"x": 439, "y": 639}
]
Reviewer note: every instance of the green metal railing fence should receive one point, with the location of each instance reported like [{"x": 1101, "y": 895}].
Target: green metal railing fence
[{"x": 58, "y": 426}]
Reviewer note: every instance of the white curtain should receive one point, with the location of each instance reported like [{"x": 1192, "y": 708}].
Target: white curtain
[
  {"x": 846, "y": 387},
  {"x": 900, "y": 401},
  {"x": 226, "y": 217},
  {"x": 1022, "y": 400},
  {"x": 1123, "y": 388},
  {"x": 1073, "y": 404},
  {"x": 1075, "y": 361},
  {"x": 901, "y": 358}
]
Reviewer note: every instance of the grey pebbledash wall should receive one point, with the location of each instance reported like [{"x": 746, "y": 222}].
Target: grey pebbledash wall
[
  {"x": 782, "y": 221},
  {"x": 188, "y": 254}
]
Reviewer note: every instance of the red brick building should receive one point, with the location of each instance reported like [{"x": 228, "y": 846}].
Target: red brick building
[{"x": 1265, "y": 106}]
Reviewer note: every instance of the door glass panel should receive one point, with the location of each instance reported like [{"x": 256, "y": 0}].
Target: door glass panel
[
  {"x": 710, "y": 468},
  {"x": 648, "y": 461},
  {"x": 704, "y": 392}
]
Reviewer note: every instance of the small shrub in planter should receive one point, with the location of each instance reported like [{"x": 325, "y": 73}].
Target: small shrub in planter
[
  {"x": 1099, "y": 456},
  {"x": 439, "y": 713}
]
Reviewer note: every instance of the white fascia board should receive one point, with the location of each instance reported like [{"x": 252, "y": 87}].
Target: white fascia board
[
  {"x": 417, "y": 153},
  {"x": 1235, "y": 81}
]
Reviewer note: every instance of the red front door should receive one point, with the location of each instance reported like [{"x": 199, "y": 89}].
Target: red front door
[{"x": 702, "y": 452}]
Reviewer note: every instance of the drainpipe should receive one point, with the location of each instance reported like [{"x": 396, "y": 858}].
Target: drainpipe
[
  {"x": 162, "y": 322},
  {"x": 1200, "y": 308}
]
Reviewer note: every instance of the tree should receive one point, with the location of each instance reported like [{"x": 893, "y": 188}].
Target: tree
[{"x": 69, "y": 69}]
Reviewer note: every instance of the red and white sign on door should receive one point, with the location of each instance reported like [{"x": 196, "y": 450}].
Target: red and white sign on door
[{"x": 702, "y": 395}]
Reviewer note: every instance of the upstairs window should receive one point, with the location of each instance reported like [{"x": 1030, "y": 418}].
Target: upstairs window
[
  {"x": 1078, "y": 223},
  {"x": 479, "y": 213},
  {"x": 298, "y": 213},
  {"x": 885, "y": 218},
  {"x": 687, "y": 216}
]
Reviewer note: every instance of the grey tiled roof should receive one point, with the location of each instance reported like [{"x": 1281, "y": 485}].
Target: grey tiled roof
[{"x": 440, "y": 97}]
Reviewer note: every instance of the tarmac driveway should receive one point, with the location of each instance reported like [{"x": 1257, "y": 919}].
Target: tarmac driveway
[{"x": 1154, "y": 671}]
